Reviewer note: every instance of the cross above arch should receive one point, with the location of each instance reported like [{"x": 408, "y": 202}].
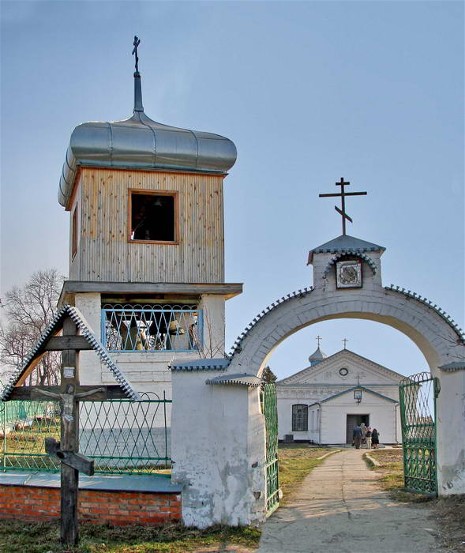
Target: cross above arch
[{"x": 342, "y": 194}]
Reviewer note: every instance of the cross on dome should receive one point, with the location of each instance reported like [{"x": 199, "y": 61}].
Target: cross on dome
[
  {"x": 342, "y": 194},
  {"x": 134, "y": 52}
]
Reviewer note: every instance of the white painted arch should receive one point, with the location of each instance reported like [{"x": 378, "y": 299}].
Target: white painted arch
[
  {"x": 437, "y": 337},
  {"x": 434, "y": 333}
]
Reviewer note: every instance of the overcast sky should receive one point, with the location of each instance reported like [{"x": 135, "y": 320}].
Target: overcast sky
[{"x": 308, "y": 91}]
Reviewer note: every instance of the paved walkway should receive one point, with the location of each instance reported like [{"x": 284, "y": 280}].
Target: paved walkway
[{"x": 341, "y": 509}]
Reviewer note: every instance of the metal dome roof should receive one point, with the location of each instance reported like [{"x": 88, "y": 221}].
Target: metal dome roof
[
  {"x": 141, "y": 143},
  {"x": 317, "y": 356}
]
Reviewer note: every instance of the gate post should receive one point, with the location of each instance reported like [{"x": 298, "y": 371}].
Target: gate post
[
  {"x": 451, "y": 429},
  {"x": 218, "y": 446}
]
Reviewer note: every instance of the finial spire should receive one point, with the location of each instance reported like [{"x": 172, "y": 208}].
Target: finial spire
[
  {"x": 342, "y": 194},
  {"x": 134, "y": 52},
  {"x": 137, "y": 80}
]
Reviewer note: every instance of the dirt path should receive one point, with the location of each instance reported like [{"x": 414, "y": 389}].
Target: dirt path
[{"x": 340, "y": 508}]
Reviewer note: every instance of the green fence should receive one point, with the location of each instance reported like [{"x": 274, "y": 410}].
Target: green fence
[
  {"x": 417, "y": 408},
  {"x": 121, "y": 436},
  {"x": 270, "y": 411}
]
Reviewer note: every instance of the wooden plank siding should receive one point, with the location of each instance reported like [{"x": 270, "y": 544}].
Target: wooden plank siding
[{"x": 104, "y": 252}]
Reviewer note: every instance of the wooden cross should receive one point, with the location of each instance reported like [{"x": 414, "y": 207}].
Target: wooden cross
[
  {"x": 69, "y": 393},
  {"x": 342, "y": 194},
  {"x": 134, "y": 52}
]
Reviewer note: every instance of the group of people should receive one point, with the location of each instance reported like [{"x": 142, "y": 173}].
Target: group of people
[{"x": 363, "y": 434}]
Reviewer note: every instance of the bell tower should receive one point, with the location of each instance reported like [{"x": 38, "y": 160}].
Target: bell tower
[{"x": 147, "y": 240}]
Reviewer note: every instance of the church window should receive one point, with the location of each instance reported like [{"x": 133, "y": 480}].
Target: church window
[
  {"x": 299, "y": 418},
  {"x": 152, "y": 216}
]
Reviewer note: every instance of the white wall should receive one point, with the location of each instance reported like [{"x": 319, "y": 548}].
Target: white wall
[
  {"x": 218, "y": 450},
  {"x": 382, "y": 417}
]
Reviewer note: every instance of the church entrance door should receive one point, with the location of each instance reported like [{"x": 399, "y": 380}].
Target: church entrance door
[{"x": 352, "y": 421}]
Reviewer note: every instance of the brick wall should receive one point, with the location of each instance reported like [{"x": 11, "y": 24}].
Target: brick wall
[{"x": 38, "y": 504}]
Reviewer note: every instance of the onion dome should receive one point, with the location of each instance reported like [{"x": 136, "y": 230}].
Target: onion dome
[
  {"x": 141, "y": 143},
  {"x": 317, "y": 357}
]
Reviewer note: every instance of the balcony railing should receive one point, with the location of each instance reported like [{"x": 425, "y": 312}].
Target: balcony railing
[{"x": 151, "y": 328}]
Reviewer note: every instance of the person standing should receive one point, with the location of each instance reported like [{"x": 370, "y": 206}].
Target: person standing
[
  {"x": 364, "y": 431},
  {"x": 368, "y": 437},
  {"x": 357, "y": 437},
  {"x": 375, "y": 438}
]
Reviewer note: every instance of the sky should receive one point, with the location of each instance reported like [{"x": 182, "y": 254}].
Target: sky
[{"x": 308, "y": 91}]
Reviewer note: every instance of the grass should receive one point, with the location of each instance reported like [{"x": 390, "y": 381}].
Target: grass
[
  {"x": 295, "y": 462},
  {"x": 16, "y": 537},
  {"x": 391, "y": 468}
]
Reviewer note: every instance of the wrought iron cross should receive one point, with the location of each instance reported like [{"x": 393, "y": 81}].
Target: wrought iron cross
[
  {"x": 319, "y": 338},
  {"x": 134, "y": 52},
  {"x": 342, "y": 194},
  {"x": 344, "y": 341}
]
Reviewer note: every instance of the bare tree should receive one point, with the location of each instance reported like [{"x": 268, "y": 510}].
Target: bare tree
[
  {"x": 28, "y": 310},
  {"x": 213, "y": 344}
]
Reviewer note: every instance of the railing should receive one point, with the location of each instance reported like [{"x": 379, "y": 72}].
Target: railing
[
  {"x": 137, "y": 327},
  {"x": 121, "y": 436}
]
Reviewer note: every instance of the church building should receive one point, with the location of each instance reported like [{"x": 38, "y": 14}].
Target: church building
[{"x": 322, "y": 403}]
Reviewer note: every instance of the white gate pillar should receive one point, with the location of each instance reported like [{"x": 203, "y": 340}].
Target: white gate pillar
[
  {"x": 450, "y": 429},
  {"x": 217, "y": 444}
]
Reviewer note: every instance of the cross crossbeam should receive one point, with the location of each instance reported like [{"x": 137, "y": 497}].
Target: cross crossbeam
[{"x": 343, "y": 194}]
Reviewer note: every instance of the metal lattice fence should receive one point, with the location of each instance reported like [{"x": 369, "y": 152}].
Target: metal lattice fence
[
  {"x": 121, "y": 436},
  {"x": 270, "y": 411},
  {"x": 417, "y": 404},
  {"x": 137, "y": 327}
]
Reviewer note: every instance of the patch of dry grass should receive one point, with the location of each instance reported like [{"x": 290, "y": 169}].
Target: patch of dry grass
[{"x": 17, "y": 537}]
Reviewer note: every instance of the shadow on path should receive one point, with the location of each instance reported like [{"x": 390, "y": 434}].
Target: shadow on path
[{"x": 340, "y": 508}]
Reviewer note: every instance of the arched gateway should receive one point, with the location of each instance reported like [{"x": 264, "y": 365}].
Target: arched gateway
[{"x": 346, "y": 284}]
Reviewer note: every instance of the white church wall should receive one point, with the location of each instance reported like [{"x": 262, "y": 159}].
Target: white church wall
[{"x": 382, "y": 415}]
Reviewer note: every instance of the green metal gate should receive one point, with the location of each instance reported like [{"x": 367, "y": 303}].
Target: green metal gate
[
  {"x": 418, "y": 395},
  {"x": 270, "y": 410}
]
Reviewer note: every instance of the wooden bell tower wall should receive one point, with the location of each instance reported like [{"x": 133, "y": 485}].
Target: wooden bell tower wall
[{"x": 101, "y": 248}]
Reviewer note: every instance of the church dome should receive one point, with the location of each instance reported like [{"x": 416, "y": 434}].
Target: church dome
[
  {"x": 141, "y": 143},
  {"x": 317, "y": 357}
]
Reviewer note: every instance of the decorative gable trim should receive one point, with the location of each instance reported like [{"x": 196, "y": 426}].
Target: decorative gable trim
[
  {"x": 237, "y": 346},
  {"x": 200, "y": 365},
  {"x": 447, "y": 318},
  {"x": 52, "y": 330},
  {"x": 242, "y": 379}
]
